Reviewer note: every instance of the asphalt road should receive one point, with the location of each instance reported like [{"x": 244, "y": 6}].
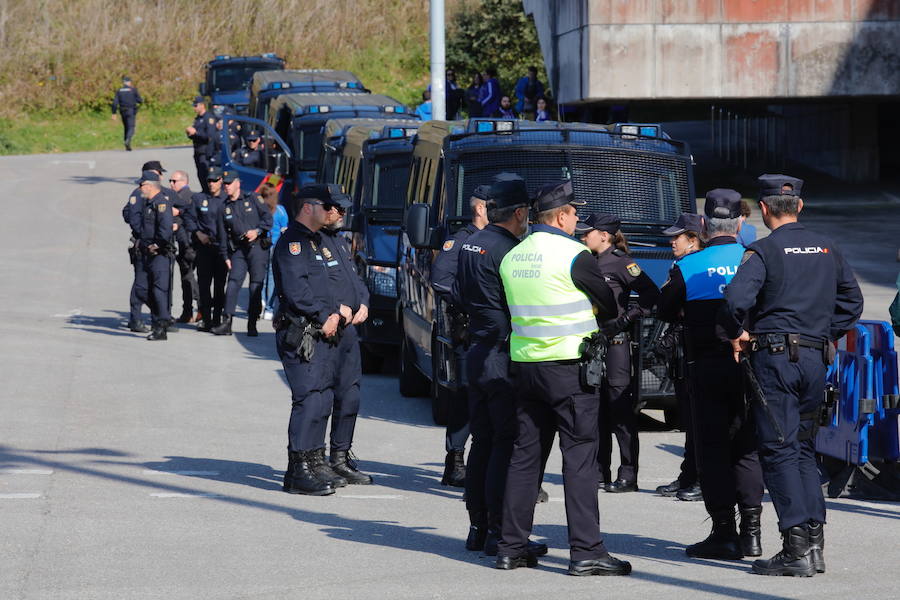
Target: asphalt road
[{"x": 131, "y": 469}]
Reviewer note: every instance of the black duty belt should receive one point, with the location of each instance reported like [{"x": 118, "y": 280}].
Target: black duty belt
[{"x": 784, "y": 340}]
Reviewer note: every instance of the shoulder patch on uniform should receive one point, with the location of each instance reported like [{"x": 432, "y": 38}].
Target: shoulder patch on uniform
[
  {"x": 747, "y": 255},
  {"x": 294, "y": 248},
  {"x": 633, "y": 269},
  {"x": 326, "y": 252},
  {"x": 206, "y": 203},
  {"x": 212, "y": 121},
  {"x": 448, "y": 245},
  {"x": 132, "y": 200},
  {"x": 227, "y": 210},
  {"x": 161, "y": 207}
]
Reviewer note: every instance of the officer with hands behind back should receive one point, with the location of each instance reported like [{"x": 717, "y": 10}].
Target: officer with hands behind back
[
  {"x": 202, "y": 133},
  {"x": 202, "y": 222},
  {"x": 602, "y": 234},
  {"x": 157, "y": 250},
  {"x": 795, "y": 294},
  {"x": 305, "y": 325},
  {"x": 553, "y": 286}
]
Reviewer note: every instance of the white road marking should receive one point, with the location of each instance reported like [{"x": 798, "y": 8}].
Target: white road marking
[
  {"x": 90, "y": 163},
  {"x": 20, "y": 496},
  {"x": 183, "y": 495},
  {"x": 371, "y": 496},
  {"x": 155, "y": 472},
  {"x": 26, "y": 471}
]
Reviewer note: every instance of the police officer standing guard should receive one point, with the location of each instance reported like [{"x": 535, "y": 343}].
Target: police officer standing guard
[
  {"x": 726, "y": 455},
  {"x": 243, "y": 225},
  {"x": 202, "y": 133},
  {"x": 251, "y": 155},
  {"x": 795, "y": 294},
  {"x": 552, "y": 284},
  {"x": 307, "y": 321},
  {"x": 155, "y": 244},
  {"x": 202, "y": 222},
  {"x": 126, "y": 102}
]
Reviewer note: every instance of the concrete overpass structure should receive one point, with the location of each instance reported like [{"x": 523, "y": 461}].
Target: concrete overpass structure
[{"x": 814, "y": 80}]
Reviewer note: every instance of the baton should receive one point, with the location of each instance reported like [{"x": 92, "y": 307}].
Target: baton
[{"x": 757, "y": 394}]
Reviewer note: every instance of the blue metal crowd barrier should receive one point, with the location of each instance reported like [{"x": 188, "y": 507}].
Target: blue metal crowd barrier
[{"x": 864, "y": 423}]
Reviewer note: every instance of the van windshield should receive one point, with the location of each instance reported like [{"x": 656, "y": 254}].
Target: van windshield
[
  {"x": 230, "y": 78},
  {"x": 390, "y": 178}
]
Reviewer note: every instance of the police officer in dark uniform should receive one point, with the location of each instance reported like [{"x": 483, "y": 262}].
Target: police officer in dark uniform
[
  {"x": 202, "y": 222},
  {"x": 251, "y": 155},
  {"x": 726, "y": 444},
  {"x": 795, "y": 294},
  {"x": 157, "y": 250},
  {"x": 202, "y": 133},
  {"x": 443, "y": 276},
  {"x": 243, "y": 227},
  {"x": 601, "y": 234},
  {"x": 352, "y": 295},
  {"x": 187, "y": 256},
  {"x": 308, "y": 318},
  {"x": 126, "y": 102},
  {"x": 492, "y": 409},
  {"x": 552, "y": 286},
  {"x": 132, "y": 214}
]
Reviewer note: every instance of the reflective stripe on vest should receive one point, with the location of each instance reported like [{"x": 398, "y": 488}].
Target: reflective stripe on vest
[
  {"x": 549, "y": 315},
  {"x": 707, "y": 272}
]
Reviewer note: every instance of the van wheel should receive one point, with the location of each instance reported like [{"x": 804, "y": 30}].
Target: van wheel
[{"x": 412, "y": 383}]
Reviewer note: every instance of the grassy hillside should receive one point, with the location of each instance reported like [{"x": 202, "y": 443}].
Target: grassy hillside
[{"x": 62, "y": 60}]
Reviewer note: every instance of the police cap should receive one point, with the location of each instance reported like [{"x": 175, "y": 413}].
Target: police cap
[
  {"x": 153, "y": 165},
  {"x": 722, "y": 203},
  {"x": 508, "y": 193},
  {"x": 686, "y": 222},
  {"x": 330, "y": 194},
  {"x": 779, "y": 185},
  {"x": 126, "y": 79},
  {"x": 482, "y": 192},
  {"x": 252, "y": 136},
  {"x": 600, "y": 222},
  {"x": 553, "y": 195},
  {"x": 199, "y": 100},
  {"x": 230, "y": 175},
  {"x": 214, "y": 174},
  {"x": 148, "y": 175}
]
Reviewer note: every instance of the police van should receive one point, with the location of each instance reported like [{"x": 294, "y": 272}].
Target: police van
[
  {"x": 633, "y": 171},
  {"x": 226, "y": 80},
  {"x": 373, "y": 167},
  {"x": 267, "y": 85}
]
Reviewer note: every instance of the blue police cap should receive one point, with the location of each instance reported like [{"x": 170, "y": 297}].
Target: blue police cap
[
  {"x": 779, "y": 185},
  {"x": 153, "y": 165},
  {"x": 199, "y": 100},
  {"x": 330, "y": 194},
  {"x": 252, "y": 136},
  {"x": 686, "y": 222},
  {"x": 230, "y": 175},
  {"x": 148, "y": 175},
  {"x": 214, "y": 173},
  {"x": 482, "y": 192},
  {"x": 508, "y": 193},
  {"x": 600, "y": 222},
  {"x": 553, "y": 195},
  {"x": 722, "y": 203}
]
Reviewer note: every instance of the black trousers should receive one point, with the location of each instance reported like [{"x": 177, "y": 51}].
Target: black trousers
[
  {"x": 492, "y": 412},
  {"x": 688, "y": 473},
  {"x": 726, "y": 440},
  {"x": 617, "y": 415},
  {"x": 347, "y": 375},
  {"x": 457, "y": 431},
  {"x": 154, "y": 277},
  {"x": 201, "y": 161},
  {"x": 312, "y": 393},
  {"x": 128, "y": 118},
  {"x": 549, "y": 397},
  {"x": 211, "y": 271},
  {"x": 138, "y": 295},
  {"x": 189, "y": 288},
  {"x": 793, "y": 390},
  {"x": 245, "y": 258}
]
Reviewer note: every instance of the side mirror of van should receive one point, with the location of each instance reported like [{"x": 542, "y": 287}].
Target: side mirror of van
[
  {"x": 418, "y": 226},
  {"x": 202, "y": 88},
  {"x": 281, "y": 163},
  {"x": 357, "y": 221}
]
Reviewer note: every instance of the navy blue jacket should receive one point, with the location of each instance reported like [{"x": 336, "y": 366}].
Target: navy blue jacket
[
  {"x": 126, "y": 99},
  {"x": 347, "y": 287},
  {"x": 793, "y": 281},
  {"x": 301, "y": 277},
  {"x": 131, "y": 212},
  {"x": 238, "y": 217},
  {"x": 205, "y": 126},
  {"x": 204, "y": 213},
  {"x": 623, "y": 275},
  {"x": 155, "y": 223},
  {"x": 443, "y": 269}
]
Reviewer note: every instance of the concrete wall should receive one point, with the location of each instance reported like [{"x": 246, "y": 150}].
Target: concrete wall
[{"x": 610, "y": 50}]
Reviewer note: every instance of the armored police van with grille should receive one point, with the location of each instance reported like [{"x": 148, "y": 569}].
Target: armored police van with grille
[
  {"x": 267, "y": 85},
  {"x": 226, "y": 80},
  {"x": 633, "y": 171},
  {"x": 373, "y": 169}
]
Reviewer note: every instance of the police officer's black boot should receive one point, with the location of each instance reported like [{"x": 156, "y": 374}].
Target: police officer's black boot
[
  {"x": 722, "y": 543},
  {"x": 137, "y": 327},
  {"x": 300, "y": 479},
  {"x": 251, "y": 328},
  {"x": 158, "y": 332},
  {"x": 817, "y": 545},
  {"x": 224, "y": 328},
  {"x": 493, "y": 538},
  {"x": 343, "y": 464},
  {"x": 323, "y": 470},
  {"x": 794, "y": 559},
  {"x": 751, "y": 531},
  {"x": 478, "y": 528},
  {"x": 454, "y": 469}
]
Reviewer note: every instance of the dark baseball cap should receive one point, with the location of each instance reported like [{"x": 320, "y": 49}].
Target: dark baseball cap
[
  {"x": 779, "y": 185},
  {"x": 153, "y": 165},
  {"x": 508, "y": 193},
  {"x": 686, "y": 222},
  {"x": 330, "y": 194},
  {"x": 600, "y": 222},
  {"x": 229, "y": 176},
  {"x": 214, "y": 173},
  {"x": 482, "y": 192},
  {"x": 553, "y": 195},
  {"x": 199, "y": 100},
  {"x": 252, "y": 136},
  {"x": 722, "y": 203},
  {"x": 147, "y": 175}
]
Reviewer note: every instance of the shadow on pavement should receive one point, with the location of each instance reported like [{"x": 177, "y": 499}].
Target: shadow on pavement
[
  {"x": 114, "y": 324},
  {"x": 866, "y": 510},
  {"x": 95, "y": 179}
]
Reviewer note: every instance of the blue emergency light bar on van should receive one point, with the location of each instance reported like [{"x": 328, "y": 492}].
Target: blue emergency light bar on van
[
  {"x": 399, "y": 132},
  {"x": 322, "y": 108},
  {"x": 631, "y": 131},
  {"x": 316, "y": 86},
  {"x": 489, "y": 125}
]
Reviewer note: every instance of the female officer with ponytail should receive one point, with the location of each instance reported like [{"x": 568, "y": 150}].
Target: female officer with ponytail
[{"x": 601, "y": 233}]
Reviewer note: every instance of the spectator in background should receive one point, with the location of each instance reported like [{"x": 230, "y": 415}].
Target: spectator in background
[
  {"x": 505, "y": 110},
  {"x": 473, "y": 96},
  {"x": 424, "y": 109},
  {"x": 490, "y": 92},
  {"x": 747, "y": 233},
  {"x": 454, "y": 96},
  {"x": 542, "y": 111},
  {"x": 528, "y": 90},
  {"x": 269, "y": 194}
]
